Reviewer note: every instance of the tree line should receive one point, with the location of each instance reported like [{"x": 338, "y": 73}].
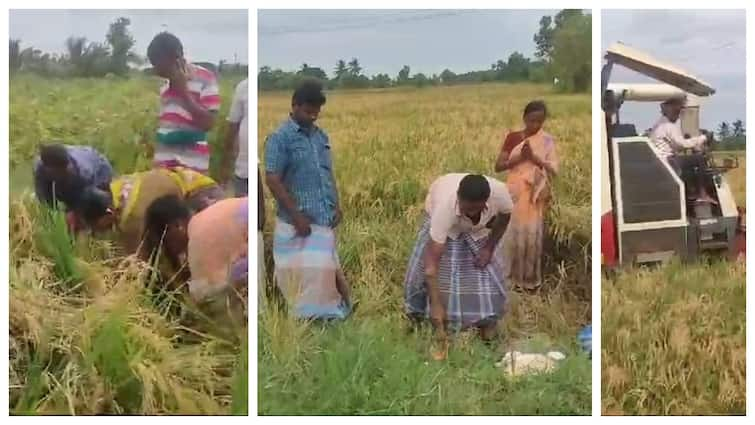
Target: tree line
[
  {"x": 563, "y": 55},
  {"x": 83, "y": 58},
  {"x": 731, "y": 136}
]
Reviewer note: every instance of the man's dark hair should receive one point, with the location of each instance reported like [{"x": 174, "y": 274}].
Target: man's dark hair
[
  {"x": 93, "y": 203},
  {"x": 55, "y": 155},
  {"x": 309, "y": 92},
  {"x": 474, "y": 188},
  {"x": 164, "y": 44},
  {"x": 161, "y": 213},
  {"x": 535, "y": 106}
]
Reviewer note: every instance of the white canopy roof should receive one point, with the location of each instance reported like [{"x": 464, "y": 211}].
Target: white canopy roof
[{"x": 645, "y": 64}]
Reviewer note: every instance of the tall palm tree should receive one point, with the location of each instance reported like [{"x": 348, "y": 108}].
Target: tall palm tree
[
  {"x": 738, "y": 128},
  {"x": 354, "y": 68}
]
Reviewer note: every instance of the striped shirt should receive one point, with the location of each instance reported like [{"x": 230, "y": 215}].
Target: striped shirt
[{"x": 180, "y": 142}]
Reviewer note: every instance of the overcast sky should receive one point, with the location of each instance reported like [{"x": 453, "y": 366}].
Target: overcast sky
[
  {"x": 207, "y": 35},
  {"x": 709, "y": 44},
  {"x": 429, "y": 41}
]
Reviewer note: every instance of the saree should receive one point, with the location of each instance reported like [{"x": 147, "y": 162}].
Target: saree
[
  {"x": 474, "y": 297},
  {"x": 306, "y": 270},
  {"x": 530, "y": 189},
  {"x": 199, "y": 190},
  {"x": 132, "y": 195}
]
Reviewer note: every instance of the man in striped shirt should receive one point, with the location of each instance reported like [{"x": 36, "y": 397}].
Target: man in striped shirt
[{"x": 189, "y": 101}]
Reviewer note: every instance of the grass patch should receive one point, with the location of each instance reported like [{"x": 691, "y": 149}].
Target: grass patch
[
  {"x": 388, "y": 146},
  {"x": 379, "y": 368},
  {"x": 674, "y": 340}
]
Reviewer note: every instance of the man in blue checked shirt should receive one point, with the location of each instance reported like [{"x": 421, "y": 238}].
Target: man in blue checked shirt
[
  {"x": 62, "y": 173},
  {"x": 299, "y": 173},
  {"x": 299, "y": 166}
]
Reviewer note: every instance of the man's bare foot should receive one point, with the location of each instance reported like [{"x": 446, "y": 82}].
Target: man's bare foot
[{"x": 439, "y": 348}]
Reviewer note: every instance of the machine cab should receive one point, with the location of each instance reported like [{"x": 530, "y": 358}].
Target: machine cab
[{"x": 645, "y": 216}]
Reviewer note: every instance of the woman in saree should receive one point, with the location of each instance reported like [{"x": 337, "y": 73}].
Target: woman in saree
[
  {"x": 165, "y": 241},
  {"x": 124, "y": 206},
  {"x": 217, "y": 249},
  {"x": 208, "y": 251},
  {"x": 529, "y": 158}
]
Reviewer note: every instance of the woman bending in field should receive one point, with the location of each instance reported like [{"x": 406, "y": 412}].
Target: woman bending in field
[
  {"x": 529, "y": 157},
  {"x": 124, "y": 206},
  {"x": 165, "y": 239},
  {"x": 212, "y": 243}
]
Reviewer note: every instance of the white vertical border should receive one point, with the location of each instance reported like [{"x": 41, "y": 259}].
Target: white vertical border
[
  {"x": 750, "y": 292},
  {"x": 5, "y": 202},
  {"x": 252, "y": 306},
  {"x": 597, "y": 115}
]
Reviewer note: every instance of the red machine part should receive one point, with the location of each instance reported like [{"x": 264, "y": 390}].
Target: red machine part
[{"x": 608, "y": 254}]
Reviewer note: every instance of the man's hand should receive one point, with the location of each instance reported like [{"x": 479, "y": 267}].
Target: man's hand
[
  {"x": 433, "y": 252},
  {"x": 483, "y": 259},
  {"x": 705, "y": 133},
  {"x": 178, "y": 79},
  {"x": 709, "y": 137},
  {"x": 439, "y": 351},
  {"x": 303, "y": 225},
  {"x": 437, "y": 309}
]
